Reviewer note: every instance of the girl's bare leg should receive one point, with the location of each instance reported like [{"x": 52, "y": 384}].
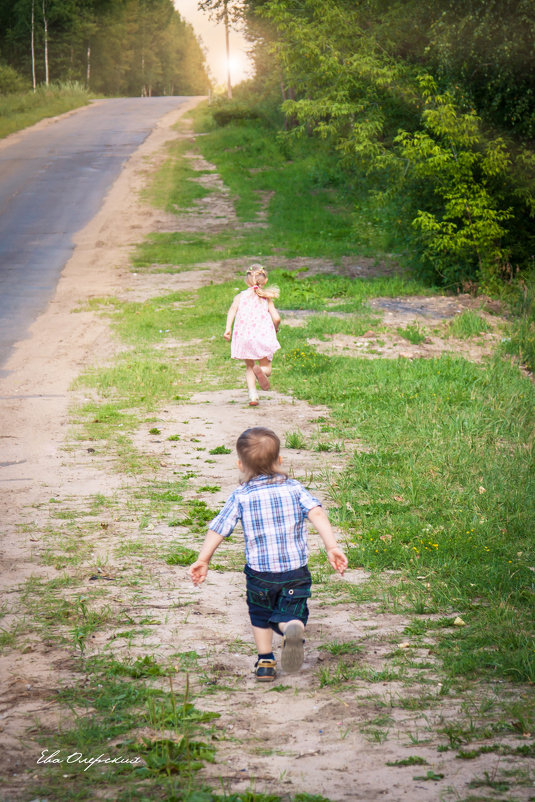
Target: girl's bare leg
[
  {"x": 266, "y": 365},
  {"x": 250, "y": 379}
]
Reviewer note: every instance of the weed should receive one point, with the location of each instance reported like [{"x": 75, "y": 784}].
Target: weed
[
  {"x": 342, "y": 647},
  {"x": 220, "y": 450},
  {"x": 413, "y": 760},
  {"x": 294, "y": 440},
  {"x": 180, "y": 555},
  {"x": 412, "y": 333},
  {"x": 467, "y": 324},
  {"x": 199, "y": 514}
]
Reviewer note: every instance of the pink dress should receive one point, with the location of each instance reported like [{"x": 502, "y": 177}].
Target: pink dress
[{"x": 253, "y": 336}]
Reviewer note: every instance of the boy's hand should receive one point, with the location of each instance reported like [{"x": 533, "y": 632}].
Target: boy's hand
[
  {"x": 227, "y": 335},
  {"x": 337, "y": 559},
  {"x": 198, "y": 572}
]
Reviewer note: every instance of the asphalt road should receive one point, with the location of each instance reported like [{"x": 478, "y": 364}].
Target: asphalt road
[{"x": 52, "y": 182}]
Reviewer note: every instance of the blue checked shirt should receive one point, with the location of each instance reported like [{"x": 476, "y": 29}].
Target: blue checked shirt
[{"x": 273, "y": 515}]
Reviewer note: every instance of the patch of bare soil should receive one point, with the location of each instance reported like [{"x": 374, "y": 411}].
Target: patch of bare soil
[
  {"x": 334, "y": 728},
  {"x": 429, "y": 318}
]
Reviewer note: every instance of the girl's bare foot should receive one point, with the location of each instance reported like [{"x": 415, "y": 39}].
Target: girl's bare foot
[{"x": 261, "y": 377}]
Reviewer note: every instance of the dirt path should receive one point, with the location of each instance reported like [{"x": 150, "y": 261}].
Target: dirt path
[{"x": 308, "y": 734}]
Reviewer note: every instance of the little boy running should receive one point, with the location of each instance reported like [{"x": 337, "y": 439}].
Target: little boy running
[{"x": 273, "y": 510}]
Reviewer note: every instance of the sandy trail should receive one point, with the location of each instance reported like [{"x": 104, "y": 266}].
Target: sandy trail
[{"x": 304, "y": 735}]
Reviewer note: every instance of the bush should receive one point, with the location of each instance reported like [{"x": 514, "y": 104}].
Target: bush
[
  {"x": 11, "y": 81},
  {"x": 231, "y": 111}
]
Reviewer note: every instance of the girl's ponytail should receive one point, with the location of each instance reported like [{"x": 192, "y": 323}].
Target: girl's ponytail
[{"x": 267, "y": 292}]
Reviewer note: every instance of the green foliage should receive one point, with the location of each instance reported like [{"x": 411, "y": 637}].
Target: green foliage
[
  {"x": 457, "y": 198},
  {"x": 180, "y": 555},
  {"x": 435, "y": 429},
  {"x": 11, "y": 81},
  {"x": 227, "y": 111},
  {"x": 294, "y": 440},
  {"x": 462, "y": 237},
  {"x": 412, "y": 333},
  {"x": 521, "y": 341},
  {"x": 20, "y": 109},
  {"x": 467, "y": 324}
]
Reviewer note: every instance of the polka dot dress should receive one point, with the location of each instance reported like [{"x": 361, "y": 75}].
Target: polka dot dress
[{"x": 253, "y": 335}]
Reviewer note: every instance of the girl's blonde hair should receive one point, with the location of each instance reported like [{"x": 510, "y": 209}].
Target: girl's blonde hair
[
  {"x": 257, "y": 277},
  {"x": 258, "y": 449}
]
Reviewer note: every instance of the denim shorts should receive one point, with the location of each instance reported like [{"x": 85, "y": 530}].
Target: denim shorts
[{"x": 276, "y": 597}]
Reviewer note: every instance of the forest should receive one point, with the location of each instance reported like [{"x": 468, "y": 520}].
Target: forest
[{"x": 111, "y": 47}]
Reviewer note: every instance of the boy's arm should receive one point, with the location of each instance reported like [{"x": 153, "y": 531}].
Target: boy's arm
[
  {"x": 275, "y": 317},
  {"x": 199, "y": 569},
  {"x": 230, "y": 317},
  {"x": 321, "y": 523}
]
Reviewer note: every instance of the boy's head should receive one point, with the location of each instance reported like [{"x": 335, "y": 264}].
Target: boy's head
[{"x": 258, "y": 451}]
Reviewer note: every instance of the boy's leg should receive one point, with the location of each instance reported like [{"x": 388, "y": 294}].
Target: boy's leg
[
  {"x": 265, "y": 667},
  {"x": 263, "y": 639},
  {"x": 291, "y": 616}
]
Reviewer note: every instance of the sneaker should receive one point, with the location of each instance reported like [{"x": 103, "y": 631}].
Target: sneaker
[
  {"x": 253, "y": 402},
  {"x": 293, "y": 651},
  {"x": 265, "y": 670},
  {"x": 261, "y": 377}
]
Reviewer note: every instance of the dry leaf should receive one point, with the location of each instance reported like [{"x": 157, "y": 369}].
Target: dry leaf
[{"x": 459, "y": 622}]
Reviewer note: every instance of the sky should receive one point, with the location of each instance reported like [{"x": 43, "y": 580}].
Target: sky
[{"x": 212, "y": 36}]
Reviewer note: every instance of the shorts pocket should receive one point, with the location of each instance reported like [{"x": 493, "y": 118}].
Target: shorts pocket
[
  {"x": 293, "y": 601},
  {"x": 257, "y": 596}
]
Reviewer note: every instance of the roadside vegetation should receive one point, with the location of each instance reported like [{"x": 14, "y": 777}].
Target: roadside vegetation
[{"x": 23, "y": 108}]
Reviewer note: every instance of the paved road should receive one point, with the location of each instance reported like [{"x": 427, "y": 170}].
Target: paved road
[{"x": 52, "y": 182}]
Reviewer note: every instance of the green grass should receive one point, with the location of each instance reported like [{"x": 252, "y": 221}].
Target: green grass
[
  {"x": 412, "y": 333},
  {"x": 467, "y": 324},
  {"x": 22, "y": 109},
  {"x": 438, "y": 429},
  {"x": 172, "y": 188},
  {"x": 261, "y": 169}
]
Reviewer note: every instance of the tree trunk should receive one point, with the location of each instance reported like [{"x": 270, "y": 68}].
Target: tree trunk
[
  {"x": 45, "y": 25},
  {"x": 34, "y": 82},
  {"x": 227, "y": 44},
  {"x": 88, "y": 72}
]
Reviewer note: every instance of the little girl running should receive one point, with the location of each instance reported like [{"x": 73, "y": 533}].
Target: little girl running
[
  {"x": 273, "y": 511},
  {"x": 254, "y": 336}
]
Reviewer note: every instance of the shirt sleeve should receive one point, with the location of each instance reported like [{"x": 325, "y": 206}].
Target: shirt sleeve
[
  {"x": 307, "y": 501},
  {"x": 226, "y": 520}
]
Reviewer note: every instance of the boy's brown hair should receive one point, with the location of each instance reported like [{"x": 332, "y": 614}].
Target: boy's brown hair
[{"x": 258, "y": 449}]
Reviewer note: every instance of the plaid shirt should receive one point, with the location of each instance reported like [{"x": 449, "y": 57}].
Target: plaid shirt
[{"x": 273, "y": 517}]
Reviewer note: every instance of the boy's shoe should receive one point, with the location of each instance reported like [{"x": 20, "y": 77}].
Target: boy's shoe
[
  {"x": 261, "y": 377},
  {"x": 265, "y": 670},
  {"x": 293, "y": 652},
  {"x": 253, "y": 400}
]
